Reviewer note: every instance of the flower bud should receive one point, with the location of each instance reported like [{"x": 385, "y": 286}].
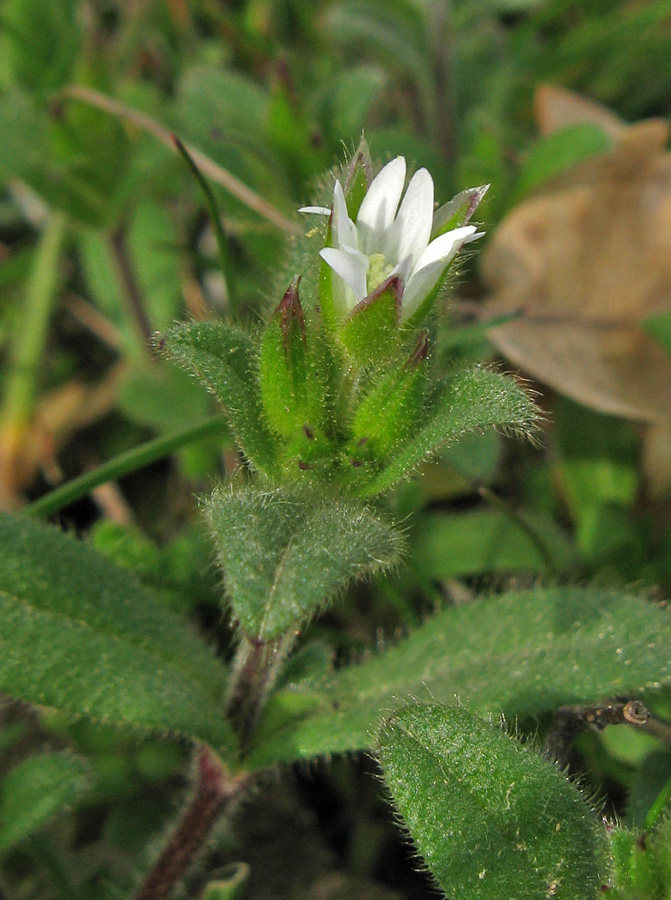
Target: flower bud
[
  {"x": 387, "y": 415},
  {"x": 290, "y": 379}
]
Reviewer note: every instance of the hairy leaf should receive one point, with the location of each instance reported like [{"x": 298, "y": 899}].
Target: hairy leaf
[
  {"x": 474, "y": 400},
  {"x": 489, "y": 815},
  {"x": 83, "y": 635},
  {"x": 37, "y": 789},
  {"x": 284, "y": 554},
  {"x": 220, "y": 356},
  {"x": 520, "y": 653}
]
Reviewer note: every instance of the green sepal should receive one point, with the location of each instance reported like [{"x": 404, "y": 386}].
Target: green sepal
[
  {"x": 370, "y": 334},
  {"x": 220, "y": 355},
  {"x": 388, "y": 413},
  {"x": 307, "y": 454},
  {"x": 284, "y": 554},
  {"x": 331, "y": 302},
  {"x": 359, "y": 177},
  {"x": 641, "y": 863},
  {"x": 291, "y": 380},
  {"x": 490, "y": 816},
  {"x": 458, "y": 211}
]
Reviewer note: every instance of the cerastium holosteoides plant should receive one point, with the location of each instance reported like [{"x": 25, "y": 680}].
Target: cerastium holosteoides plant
[{"x": 339, "y": 399}]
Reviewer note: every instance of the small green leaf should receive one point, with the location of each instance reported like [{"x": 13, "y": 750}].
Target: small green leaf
[
  {"x": 222, "y": 358},
  {"x": 82, "y": 635},
  {"x": 284, "y": 555},
  {"x": 489, "y": 815},
  {"x": 474, "y": 400},
  {"x": 520, "y": 653},
  {"x": 559, "y": 151},
  {"x": 36, "y": 790},
  {"x": 230, "y": 885}
]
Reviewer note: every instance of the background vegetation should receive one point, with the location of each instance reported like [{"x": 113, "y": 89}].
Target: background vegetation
[{"x": 105, "y": 240}]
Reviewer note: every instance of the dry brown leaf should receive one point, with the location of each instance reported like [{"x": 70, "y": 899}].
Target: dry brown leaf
[{"x": 584, "y": 261}]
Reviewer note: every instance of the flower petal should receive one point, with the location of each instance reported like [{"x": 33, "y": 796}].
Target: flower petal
[
  {"x": 379, "y": 206},
  {"x": 411, "y": 231},
  {"x": 445, "y": 246},
  {"x": 317, "y": 210},
  {"x": 344, "y": 229},
  {"x": 351, "y": 266},
  {"x": 432, "y": 264}
]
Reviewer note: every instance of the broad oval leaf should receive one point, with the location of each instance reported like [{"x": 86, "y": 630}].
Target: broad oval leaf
[
  {"x": 284, "y": 554},
  {"x": 489, "y": 815}
]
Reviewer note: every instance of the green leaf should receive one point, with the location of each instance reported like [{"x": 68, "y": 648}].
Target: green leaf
[
  {"x": 559, "y": 151},
  {"x": 520, "y": 653},
  {"x": 82, "y": 635},
  {"x": 42, "y": 41},
  {"x": 490, "y": 816},
  {"x": 222, "y": 357},
  {"x": 474, "y": 400},
  {"x": 284, "y": 555},
  {"x": 37, "y": 789}
]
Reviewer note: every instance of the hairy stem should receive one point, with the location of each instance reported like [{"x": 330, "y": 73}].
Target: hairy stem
[
  {"x": 257, "y": 664},
  {"x": 216, "y": 790}
]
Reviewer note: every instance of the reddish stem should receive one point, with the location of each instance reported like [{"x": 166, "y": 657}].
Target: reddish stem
[{"x": 215, "y": 792}]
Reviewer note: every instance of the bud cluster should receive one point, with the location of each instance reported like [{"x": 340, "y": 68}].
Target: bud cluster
[{"x": 343, "y": 377}]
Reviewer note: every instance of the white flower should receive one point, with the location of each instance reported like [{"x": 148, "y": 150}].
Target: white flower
[{"x": 388, "y": 239}]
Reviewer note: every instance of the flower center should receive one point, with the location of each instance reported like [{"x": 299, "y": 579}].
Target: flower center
[{"x": 378, "y": 270}]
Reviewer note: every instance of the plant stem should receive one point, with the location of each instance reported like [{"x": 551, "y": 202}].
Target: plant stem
[
  {"x": 207, "y": 166},
  {"x": 28, "y": 350},
  {"x": 571, "y": 721},
  {"x": 122, "y": 465},
  {"x": 256, "y": 666},
  {"x": 441, "y": 40},
  {"x": 216, "y": 790},
  {"x": 131, "y": 289}
]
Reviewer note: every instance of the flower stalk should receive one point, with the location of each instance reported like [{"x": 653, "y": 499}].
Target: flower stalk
[
  {"x": 255, "y": 669},
  {"x": 215, "y": 793}
]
